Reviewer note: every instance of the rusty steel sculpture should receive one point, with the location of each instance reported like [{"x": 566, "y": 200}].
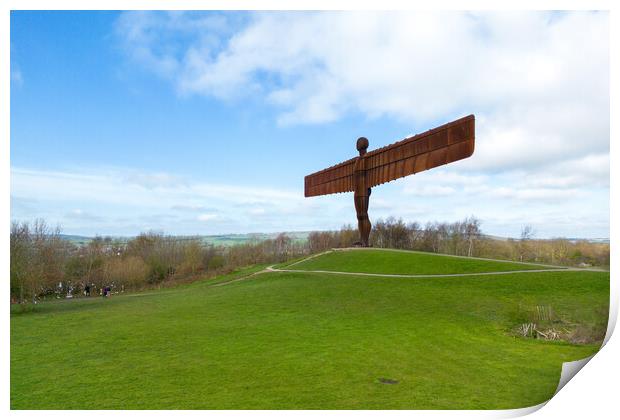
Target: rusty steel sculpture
[{"x": 439, "y": 146}]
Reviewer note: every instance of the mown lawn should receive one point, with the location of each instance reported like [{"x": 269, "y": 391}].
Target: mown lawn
[
  {"x": 303, "y": 341},
  {"x": 385, "y": 261}
]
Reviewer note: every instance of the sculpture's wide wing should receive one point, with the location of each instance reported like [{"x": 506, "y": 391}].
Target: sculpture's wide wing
[
  {"x": 335, "y": 179},
  {"x": 436, "y": 147}
]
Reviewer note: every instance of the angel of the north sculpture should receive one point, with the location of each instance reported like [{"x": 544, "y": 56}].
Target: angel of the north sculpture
[{"x": 439, "y": 146}]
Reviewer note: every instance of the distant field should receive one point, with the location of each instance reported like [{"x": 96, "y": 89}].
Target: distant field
[
  {"x": 386, "y": 261},
  {"x": 240, "y": 239},
  {"x": 216, "y": 240},
  {"x": 304, "y": 340}
]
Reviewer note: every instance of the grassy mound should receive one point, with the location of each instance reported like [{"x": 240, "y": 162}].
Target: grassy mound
[
  {"x": 303, "y": 341},
  {"x": 386, "y": 261}
]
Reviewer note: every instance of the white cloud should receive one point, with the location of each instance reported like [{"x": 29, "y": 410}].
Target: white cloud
[
  {"x": 154, "y": 180},
  {"x": 189, "y": 207},
  {"x": 443, "y": 182},
  {"x": 590, "y": 171},
  {"x": 79, "y": 214},
  {"x": 102, "y": 201},
  {"x": 430, "y": 190},
  {"x": 558, "y": 184},
  {"x": 112, "y": 186},
  {"x": 536, "y": 194},
  {"x": 538, "y": 81},
  {"x": 206, "y": 217}
]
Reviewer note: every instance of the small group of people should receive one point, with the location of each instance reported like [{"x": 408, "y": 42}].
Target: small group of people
[{"x": 106, "y": 291}]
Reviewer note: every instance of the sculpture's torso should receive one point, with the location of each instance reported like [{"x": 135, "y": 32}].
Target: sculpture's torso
[{"x": 360, "y": 186}]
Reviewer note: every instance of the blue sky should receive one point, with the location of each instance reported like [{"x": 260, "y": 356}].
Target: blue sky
[{"x": 206, "y": 123}]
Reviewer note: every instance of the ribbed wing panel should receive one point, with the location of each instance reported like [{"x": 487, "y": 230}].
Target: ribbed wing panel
[
  {"x": 335, "y": 179},
  {"x": 439, "y": 146}
]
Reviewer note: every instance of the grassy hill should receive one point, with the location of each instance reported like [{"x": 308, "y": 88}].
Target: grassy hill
[
  {"x": 306, "y": 340},
  {"x": 388, "y": 261}
]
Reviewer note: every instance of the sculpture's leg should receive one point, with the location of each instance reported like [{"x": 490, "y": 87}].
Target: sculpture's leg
[
  {"x": 367, "y": 225},
  {"x": 363, "y": 223}
]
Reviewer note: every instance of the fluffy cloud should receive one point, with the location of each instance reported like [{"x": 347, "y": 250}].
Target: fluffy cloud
[{"x": 539, "y": 82}]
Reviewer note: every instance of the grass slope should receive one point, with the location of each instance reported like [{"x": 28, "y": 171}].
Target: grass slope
[
  {"x": 385, "y": 261},
  {"x": 302, "y": 341}
]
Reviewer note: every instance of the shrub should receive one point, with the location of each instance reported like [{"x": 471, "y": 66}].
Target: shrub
[{"x": 216, "y": 262}]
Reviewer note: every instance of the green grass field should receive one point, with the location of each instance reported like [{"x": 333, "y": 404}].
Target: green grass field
[{"x": 303, "y": 340}]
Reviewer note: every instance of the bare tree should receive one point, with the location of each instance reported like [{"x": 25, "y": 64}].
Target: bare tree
[
  {"x": 38, "y": 257},
  {"x": 20, "y": 248},
  {"x": 527, "y": 233},
  {"x": 472, "y": 233},
  {"x": 192, "y": 257}
]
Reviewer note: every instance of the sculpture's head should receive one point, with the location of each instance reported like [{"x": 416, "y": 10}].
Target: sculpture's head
[{"x": 362, "y": 145}]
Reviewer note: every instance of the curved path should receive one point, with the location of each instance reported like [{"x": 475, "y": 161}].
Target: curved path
[
  {"x": 487, "y": 273},
  {"x": 272, "y": 269}
]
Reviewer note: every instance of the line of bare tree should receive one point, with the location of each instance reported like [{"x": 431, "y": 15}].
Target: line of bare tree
[{"x": 44, "y": 264}]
